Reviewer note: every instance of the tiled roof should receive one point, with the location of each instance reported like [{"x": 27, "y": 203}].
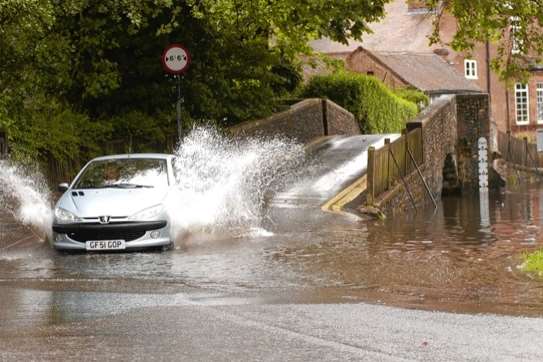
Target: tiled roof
[
  {"x": 400, "y": 30},
  {"x": 425, "y": 71},
  {"x": 389, "y": 33},
  {"x": 400, "y": 41}
]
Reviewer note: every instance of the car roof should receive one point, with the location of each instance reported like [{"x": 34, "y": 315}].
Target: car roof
[{"x": 163, "y": 156}]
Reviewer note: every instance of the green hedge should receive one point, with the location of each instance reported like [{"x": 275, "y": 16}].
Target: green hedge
[
  {"x": 413, "y": 95},
  {"x": 376, "y": 107}
]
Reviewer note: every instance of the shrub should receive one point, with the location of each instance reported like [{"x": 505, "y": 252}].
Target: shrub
[
  {"x": 376, "y": 107},
  {"x": 533, "y": 262},
  {"x": 413, "y": 95}
]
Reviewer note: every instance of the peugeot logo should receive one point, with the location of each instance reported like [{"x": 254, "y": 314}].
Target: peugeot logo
[{"x": 104, "y": 219}]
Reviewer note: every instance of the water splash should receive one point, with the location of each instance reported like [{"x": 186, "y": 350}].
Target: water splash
[
  {"x": 225, "y": 183},
  {"x": 25, "y": 194}
]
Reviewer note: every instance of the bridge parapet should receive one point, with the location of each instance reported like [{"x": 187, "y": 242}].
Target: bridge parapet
[
  {"x": 305, "y": 121},
  {"x": 437, "y": 126},
  {"x": 450, "y": 129}
]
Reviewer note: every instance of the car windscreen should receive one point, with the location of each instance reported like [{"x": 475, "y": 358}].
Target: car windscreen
[{"x": 124, "y": 173}]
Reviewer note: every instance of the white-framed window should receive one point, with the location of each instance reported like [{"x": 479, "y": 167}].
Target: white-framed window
[
  {"x": 539, "y": 89},
  {"x": 522, "y": 103},
  {"x": 470, "y": 68},
  {"x": 516, "y": 28}
]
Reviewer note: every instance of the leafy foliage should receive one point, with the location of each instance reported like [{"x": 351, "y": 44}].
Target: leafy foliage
[
  {"x": 533, "y": 262},
  {"x": 76, "y": 75},
  {"x": 413, "y": 95},
  {"x": 499, "y": 22},
  {"x": 376, "y": 107}
]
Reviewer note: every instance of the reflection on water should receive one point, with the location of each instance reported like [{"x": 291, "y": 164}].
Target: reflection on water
[
  {"x": 461, "y": 257},
  {"x": 35, "y": 308}
]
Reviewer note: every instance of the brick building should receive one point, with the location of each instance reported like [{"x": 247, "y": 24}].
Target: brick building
[
  {"x": 425, "y": 71},
  {"x": 406, "y": 28}
]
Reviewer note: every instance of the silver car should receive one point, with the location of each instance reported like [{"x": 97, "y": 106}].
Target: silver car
[{"x": 116, "y": 203}]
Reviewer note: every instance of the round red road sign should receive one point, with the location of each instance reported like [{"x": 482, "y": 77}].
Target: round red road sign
[{"x": 175, "y": 59}]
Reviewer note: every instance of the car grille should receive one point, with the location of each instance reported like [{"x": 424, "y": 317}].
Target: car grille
[
  {"x": 116, "y": 231},
  {"x": 126, "y": 235}
]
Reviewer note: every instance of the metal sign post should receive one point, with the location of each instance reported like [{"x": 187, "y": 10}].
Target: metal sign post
[
  {"x": 178, "y": 108},
  {"x": 176, "y": 60}
]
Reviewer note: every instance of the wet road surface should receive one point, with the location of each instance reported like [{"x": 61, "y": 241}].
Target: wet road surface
[
  {"x": 285, "y": 332},
  {"x": 294, "y": 288},
  {"x": 339, "y": 162},
  {"x": 294, "y": 295}
]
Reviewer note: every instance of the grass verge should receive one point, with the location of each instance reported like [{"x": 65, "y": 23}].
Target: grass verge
[{"x": 533, "y": 262}]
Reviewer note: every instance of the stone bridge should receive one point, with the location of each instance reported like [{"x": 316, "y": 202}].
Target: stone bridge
[{"x": 451, "y": 127}]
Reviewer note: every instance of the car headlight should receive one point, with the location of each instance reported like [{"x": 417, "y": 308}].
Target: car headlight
[
  {"x": 149, "y": 214},
  {"x": 63, "y": 216}
]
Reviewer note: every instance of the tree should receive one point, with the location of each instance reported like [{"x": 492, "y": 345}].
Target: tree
[
  {"x": 96, "y": 65},
  {"x": 515, "y": 26},
  {"x": 34, "y": 72}
]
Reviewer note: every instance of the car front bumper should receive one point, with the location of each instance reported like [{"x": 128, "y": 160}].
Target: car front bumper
[{"x": 137, "y": 235}]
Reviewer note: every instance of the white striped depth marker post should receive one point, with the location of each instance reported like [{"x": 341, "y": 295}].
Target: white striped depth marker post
[
  {"x": 483, "y": 164},
  {"x": 483, "y": 182}
]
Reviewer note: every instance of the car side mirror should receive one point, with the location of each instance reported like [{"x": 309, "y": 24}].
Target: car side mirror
[{"x": 63, "y": 187}]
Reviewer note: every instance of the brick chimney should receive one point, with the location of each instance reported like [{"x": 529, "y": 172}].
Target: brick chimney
[
  {"x": 416, "y": 5},
  {"x": 442, "y": 52}
]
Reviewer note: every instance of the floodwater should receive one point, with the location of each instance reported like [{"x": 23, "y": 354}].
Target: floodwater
[{"x": 458, "y": 258}]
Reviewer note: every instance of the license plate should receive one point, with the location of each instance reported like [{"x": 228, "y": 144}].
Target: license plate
[{"x": 105, "y": 245}]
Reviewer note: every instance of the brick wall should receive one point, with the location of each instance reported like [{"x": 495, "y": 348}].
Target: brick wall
[
  {"x": 502, "y": 110},
  {"x": 304, "y": 121},
  {"x": 361, "y": 61},
  {"x": 535, "y": 123}
]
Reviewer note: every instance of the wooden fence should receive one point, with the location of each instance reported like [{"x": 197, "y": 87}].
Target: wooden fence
[
  {"x": 394, "y": 161},
  {"x": 517, "y": 151}
]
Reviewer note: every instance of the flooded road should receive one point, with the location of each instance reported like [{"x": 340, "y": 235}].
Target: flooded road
[
  {"x": 295, "y": 288},
  {"x": 442, "y": 260}
]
